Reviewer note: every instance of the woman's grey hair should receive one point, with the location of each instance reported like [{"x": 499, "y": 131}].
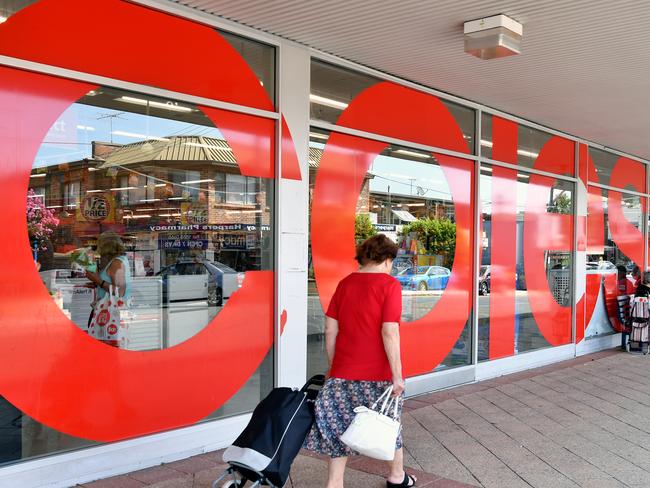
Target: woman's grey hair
[
  {"x": 646, "y": 277},
  {"x": 109, "y": 245}
]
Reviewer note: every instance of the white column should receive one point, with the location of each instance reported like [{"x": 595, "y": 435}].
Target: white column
[{"x": 293, "y": 220}]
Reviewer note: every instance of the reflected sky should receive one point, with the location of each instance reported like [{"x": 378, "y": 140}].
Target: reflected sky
[{"x": 70, "y": 137}]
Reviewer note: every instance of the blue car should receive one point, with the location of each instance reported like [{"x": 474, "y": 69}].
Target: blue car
[{"x": 424, "y": 278}]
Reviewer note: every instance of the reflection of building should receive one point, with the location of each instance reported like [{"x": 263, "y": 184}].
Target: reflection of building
[
  {"x": 179, "y": 195},
  {"x": 405, "y": 205}
]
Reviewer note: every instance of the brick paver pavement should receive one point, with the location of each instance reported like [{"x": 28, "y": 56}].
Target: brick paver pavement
[{"x": 578, "y": 423}]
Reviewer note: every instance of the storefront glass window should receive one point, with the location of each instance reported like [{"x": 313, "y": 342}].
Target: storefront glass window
[
  {"x": 614, "y": 260},
  {"x": 529, "y": 144},
  {"x": 333, "y": 88},
  {"x": 152, "y": 195},
  {"x": 613, "y": 170},
  {"x": 259, "y": 57},
  {"x": 10, "y": 7},
  {"x": 525, "y": 284},
  {"x": 420, "y": 203}
]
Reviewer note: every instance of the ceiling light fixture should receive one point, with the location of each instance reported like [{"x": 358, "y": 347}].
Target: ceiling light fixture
[
  {"x": 316, "y": 135},
  {"x": 493, "y": 37},
  {"x": 328, "y": 102}
]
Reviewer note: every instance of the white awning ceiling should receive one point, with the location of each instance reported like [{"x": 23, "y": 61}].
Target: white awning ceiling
[
  {"x": 583, "y": 67},
  {"x": 404, "y": 216}
]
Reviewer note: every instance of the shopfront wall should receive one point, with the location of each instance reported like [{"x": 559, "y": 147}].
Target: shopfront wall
[{"x": 233, "y": 173}]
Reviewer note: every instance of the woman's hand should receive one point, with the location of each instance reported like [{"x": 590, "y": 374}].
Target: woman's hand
[
  {"x": 94, "y": 277},
  {"x": 398, "y": 387}
]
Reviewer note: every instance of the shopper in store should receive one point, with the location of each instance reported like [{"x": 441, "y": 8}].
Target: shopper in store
[
  {"x": 643, "y": 290},
  {"x": 636, "y": 277},
  {"x": 625, "y": 286},
  {"x": 113, "y": 265},
  {"x": 363, "y": 349}
]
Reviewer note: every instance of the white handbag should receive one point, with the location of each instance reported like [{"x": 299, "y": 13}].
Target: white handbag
[{"x": 374, "y": 433}]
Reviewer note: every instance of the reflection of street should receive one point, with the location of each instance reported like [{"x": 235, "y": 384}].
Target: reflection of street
[{"x": 415, "y": 305}]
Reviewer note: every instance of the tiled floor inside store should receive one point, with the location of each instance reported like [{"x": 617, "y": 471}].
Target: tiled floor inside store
[{"x": 578, "y": 423}]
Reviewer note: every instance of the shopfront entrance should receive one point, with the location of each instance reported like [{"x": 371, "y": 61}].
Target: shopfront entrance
[{"x": 226, "y": 195}]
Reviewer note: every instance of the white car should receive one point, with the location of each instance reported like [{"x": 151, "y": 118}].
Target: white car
[{"x": 199, "y": 280}]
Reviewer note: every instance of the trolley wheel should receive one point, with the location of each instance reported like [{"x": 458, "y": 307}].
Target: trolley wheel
[{"x": 233, "y": 484}]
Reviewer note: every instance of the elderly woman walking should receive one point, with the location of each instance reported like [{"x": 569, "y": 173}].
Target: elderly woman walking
[{"x": 363, "y": 349}]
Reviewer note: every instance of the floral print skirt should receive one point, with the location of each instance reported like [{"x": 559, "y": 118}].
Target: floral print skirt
[{"x": 335, "y": 411}]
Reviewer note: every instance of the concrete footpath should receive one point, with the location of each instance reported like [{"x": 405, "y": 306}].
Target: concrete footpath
[{"x": 578, "y": 423}]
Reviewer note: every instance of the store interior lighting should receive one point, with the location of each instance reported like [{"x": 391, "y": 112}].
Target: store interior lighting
[
  {"x": 191, "y": 182},
  {"x": 2, "y": 19},
  {"x": 166, "y": 106},
  {"x": 208, "y": 146},
  {"x": 328, "y": 102},
  {"x": 136, "y": 135},
  {"x": 412, "y": 153},
  {"x": 522, "y": 152},
  {"x": 316, "y": 135},
  {"x": 41, "y": 175}
]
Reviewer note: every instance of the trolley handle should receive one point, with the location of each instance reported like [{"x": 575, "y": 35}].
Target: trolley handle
[{"x": 317, "y": 380}]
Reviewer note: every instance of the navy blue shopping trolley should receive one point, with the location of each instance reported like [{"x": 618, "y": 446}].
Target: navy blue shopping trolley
[{"x": 265, "y": 450}]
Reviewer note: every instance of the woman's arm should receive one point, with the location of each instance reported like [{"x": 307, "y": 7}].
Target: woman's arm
[
  {"x": 390, "y": 336},
  {"x": 331, "y": 331},
  {"x": 118, "y": 276}
]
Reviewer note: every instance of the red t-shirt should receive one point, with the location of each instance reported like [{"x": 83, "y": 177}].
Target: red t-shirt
[{"x": 361, "y": 304}]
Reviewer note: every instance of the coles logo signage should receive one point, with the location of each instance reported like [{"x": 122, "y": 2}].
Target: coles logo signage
[
  {"x": 199, "y": 374},
  {"x": 103, "y": 317},
  {"x": 95, "y": 207}
]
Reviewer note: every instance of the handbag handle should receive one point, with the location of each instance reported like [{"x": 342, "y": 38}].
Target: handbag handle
[
  {"x": 392, "y": 404},
  {"x": 384, "y": 396}
]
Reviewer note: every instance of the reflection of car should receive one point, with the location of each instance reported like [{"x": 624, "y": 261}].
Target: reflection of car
[
  {"x": 484, "y": 280},
  {"x": 424, "y": 278},
  {"x": 199, "y": 280},
  {"x": 600, "y": 267},
  {"x": 402, "y": 262}
]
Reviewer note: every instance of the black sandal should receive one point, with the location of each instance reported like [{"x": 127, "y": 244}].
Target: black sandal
[{"x": 407, "y": 483}]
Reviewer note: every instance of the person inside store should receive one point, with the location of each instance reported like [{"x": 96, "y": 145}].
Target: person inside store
[
  {"x": 113, "y": 265},
  {"x": 363, "y": 348},
  {"x": 636, "y": 277},
  {"x": 625, "y": 289},
  {"x": 625, "y": 286},
  {"x": 643, "y": 290}
]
